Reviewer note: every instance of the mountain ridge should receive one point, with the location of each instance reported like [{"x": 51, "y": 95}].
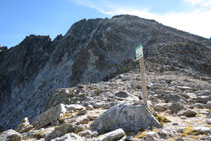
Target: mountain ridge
[{"x": 91, "y": 51}]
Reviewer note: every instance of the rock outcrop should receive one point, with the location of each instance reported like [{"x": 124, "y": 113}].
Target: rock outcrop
[
  {"x": 91, "y": 51},
  {"x": 127, "y": 116},
  {"x": 10, "y": 135}
]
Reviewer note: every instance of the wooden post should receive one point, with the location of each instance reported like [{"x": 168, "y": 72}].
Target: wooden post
[{"x": 144, "y": 88}]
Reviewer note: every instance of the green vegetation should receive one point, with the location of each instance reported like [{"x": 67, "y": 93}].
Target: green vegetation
[{"x": 162, "y": 119}]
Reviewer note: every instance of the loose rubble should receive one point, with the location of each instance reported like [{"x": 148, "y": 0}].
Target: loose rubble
[{"x": 114, "y": 110}]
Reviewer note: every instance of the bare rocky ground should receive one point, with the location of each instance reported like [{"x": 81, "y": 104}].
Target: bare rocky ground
[{"x": 179, "y": 101}]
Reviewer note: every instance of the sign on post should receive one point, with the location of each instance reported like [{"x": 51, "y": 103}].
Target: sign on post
[
  {"x": 139, "y": 52},
  {"x": 139, "y": 55}
]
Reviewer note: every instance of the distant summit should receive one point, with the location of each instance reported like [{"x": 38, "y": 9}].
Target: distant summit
[{"x": 91, "y": 51}]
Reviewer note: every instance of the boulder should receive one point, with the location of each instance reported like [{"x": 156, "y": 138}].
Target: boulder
[
  {"x": 24, "y": 126},
  {"x": 166, "y": 133},
  {"x": 61, "y": 130},
  {"x": 160, "y": 107},
  {"x": 49, "y": 116},
  {"x": 208, "y": 105},
  {"x": 86, "y": 133},
  {"x": 10, "y": 135},
  {"x": 68, "y": 137},
  {"x": 187, "y": 113},
  {"x": 111, "y": 136},
  {"x": 127, "y": 116},
  {"x": 202, "y": 130},
  {"x": 37, "y": 134},
  {"x": 176, "y": 107},
  {"x": 152, "y": 136},
  {"x": 172, "y": 98}
]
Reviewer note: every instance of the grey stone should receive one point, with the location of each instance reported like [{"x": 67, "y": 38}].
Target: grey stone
[
  {"x": 49, "y": 116},
  {"x": 121, "y": 94},
  {"x": 92, "y": 117},
  {"x": 82, "y": 112},
  {"x": 85, "y": 133},
  {"x": 10, "y": 135},
  {"x": 124, "y": 138},
  {"x": 83, "y": 120},
  {"x": 176, "y": 107},
  {"x": 172, "y": 98},
  {"x": 208, "y": 121},
  {"x": 160, "y": 107},
  {"x": 202, "y": 99},
  {"x": 38, "y": 134},
  {"x": 208, "y": 105},
  {"x": 69, "y": 137},
  {"x": 89, "y": 107},
  {"x": 127, "y": 116},
  {"x": 166, "y": 133},
  {"x": 110, "y": 136},
  {"x": 184, "y": 87},
  {"x": 79, "y": 128},
  {"x": 191, "y": 95},
  {"x": 154, "y": 86},
  {"x": 199, "y": 105},
  {"x": 61, "y": 130},
  {"x": 152, "y": 136},
  {"x": 95, "y": 133},
  {"x": 180, "y": 139},
  {"x": 188, "y": 113}
]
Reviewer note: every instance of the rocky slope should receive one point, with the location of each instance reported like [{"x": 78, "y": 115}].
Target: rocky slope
[
  {"x": 112, "y": 110},
  {"x": 92, "y": 51}
]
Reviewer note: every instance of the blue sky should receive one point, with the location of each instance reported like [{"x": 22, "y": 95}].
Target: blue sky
[{"x": 20, "y": 18}]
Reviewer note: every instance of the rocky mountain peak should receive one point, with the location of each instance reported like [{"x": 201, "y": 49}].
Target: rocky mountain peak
[{"x": 90, "y": 52}]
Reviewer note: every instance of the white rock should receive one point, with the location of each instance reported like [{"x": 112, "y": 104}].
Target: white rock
[
  {"x": 114, "y": 135},
  {"x": 166, "y": 133},
  {"x": 127, "y": 116},
  {"x": 74, "y": 107},
  {"x": 89, "y": 107},
  {"x": 49, "y": 116},
  {"x": 202, "y": 130},
  {"x": 68, "y": 137},
  {"x": 152, "y": 136},
  {"x": 10, "y": 135}
]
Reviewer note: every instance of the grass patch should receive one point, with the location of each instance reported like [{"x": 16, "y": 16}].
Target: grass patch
[
  {"x": 140, "y": 135},
  {"x": 98, "y": 91},
  {"x": 162, "y": 119},
  {"x": 189, "y": 131}
]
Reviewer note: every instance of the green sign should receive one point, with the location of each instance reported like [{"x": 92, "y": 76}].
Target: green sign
[{"x": 139, "y": 52}]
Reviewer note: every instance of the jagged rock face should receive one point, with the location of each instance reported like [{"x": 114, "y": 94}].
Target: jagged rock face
[
  {"x": 3, "y": 48},
  {"x": 91, "y": 51}
]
